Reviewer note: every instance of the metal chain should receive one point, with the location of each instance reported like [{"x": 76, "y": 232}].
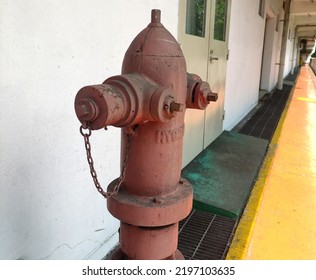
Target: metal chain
[{"x": 93, "y": 173}]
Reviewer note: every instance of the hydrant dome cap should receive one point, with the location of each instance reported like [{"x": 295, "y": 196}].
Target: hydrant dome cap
[{"x": 154, "y": 40}]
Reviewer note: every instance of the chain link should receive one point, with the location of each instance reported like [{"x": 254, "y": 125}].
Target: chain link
[{"x": 93, "y": 173}]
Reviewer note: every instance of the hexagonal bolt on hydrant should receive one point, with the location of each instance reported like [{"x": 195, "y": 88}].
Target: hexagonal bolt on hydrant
[{"x": 151, "y": 95}]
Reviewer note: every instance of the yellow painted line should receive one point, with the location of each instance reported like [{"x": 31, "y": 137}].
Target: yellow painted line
[
  {"x": 278, "y": 130},
  {"x": 312, "y": 100},
  {"x": 240, "y": 242}
]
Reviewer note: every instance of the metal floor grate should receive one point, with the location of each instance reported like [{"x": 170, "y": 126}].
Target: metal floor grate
[
  {"x": 263, "y": 123},
  {"x": 264, "y": 119},
  {"x": 205, "y": 236}
]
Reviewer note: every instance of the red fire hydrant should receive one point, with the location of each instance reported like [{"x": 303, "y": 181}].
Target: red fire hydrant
[{"x": 148, "y": 101}]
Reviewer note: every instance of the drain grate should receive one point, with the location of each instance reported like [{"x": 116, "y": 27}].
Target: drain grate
[
  {"x": 264, "y": 120},
  {"x": 205, "y": 236},
  {"x": 263, "y": 123}
]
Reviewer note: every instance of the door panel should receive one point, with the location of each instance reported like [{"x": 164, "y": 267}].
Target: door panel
[
  {"x": 196, "y": 37},
  {"x": 218, "y": 54},
  {"x": 195, "y": 50}
]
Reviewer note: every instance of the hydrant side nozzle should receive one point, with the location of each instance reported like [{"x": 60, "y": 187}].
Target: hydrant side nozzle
[
  {"x": 125, "y": 100},
  {"x": 192, "y": 82},
  {"x": 99, "y": 105},
  {"x": 199, "y": 93}
]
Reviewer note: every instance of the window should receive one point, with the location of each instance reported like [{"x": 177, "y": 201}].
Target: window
[
  {"x": 220, "y": 20},
  {"x": 262, "y": 6},
  {"x": 195, "y": 17}
]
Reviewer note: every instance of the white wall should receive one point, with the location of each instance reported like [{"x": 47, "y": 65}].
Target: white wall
[
  {"x": 271, "y": 60},
  {"x": 243, "y": 68},
  {"x": 246, "y": 37},
  {"x": 289, "y": 47},
  {"x": 269, "y": 57},
  {"x": 49, "y": 49},
  {"x": 277, "y": 50}
]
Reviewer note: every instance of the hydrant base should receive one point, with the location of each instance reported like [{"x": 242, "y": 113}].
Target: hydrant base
[
  {"x": 118, "y": 254},
  {"x": 148, "y": 243}
]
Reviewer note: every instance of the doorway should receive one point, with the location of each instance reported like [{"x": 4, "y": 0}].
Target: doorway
[
  {"x": 203, "y": 36},
  {"x": 268, "y": 67}
]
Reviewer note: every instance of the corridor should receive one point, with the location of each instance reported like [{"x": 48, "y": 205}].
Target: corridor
[{"x": 279, "y": 220}]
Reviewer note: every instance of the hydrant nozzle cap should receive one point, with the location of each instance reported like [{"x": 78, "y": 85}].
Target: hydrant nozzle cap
[
  {"x": 86, "y": 109},
  {"x": 212, "y": 96}
]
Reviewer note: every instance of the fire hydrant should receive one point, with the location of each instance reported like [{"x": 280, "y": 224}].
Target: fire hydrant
[{"x": 148, "y": 102}]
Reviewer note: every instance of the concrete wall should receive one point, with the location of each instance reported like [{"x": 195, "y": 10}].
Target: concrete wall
[
  {"x": 49, "y": 208},
  {"x": 276, "y": 7},
  {"x": 247, "y": 61},
  {"x": 269, "y": 69},
  {"x": 246, "y": 35},
  {"x": 289, "y": 47},
  {"x": 272, "y": 49}
]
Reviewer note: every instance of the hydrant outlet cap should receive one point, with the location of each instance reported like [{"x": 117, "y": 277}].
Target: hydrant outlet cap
[{"x": 86, "y": 109}]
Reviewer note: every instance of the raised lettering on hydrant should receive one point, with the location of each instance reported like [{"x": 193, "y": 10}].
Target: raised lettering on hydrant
[{"x": 148, "y": 101}]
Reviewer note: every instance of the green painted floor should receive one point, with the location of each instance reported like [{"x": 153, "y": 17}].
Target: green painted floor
[{"x": 223, "y": 174}]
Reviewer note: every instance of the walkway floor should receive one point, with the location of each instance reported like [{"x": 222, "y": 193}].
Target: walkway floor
[{"x": 279, "y": 221}]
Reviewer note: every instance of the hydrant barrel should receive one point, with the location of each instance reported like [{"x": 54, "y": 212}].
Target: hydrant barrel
[{"x": 155, "y": 54}]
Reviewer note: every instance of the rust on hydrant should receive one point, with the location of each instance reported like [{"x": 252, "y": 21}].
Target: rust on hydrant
[{"x": 152, "y": 92}]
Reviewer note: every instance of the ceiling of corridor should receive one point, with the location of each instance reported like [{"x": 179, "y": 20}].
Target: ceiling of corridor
[
  {"x": 303, "y": 7},
  {"x": 304, "y": 12}
]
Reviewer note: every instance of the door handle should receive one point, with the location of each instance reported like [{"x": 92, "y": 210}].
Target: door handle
[{"x": 211, "y": 57}]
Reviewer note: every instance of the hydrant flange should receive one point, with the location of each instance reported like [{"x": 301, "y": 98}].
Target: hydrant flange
[{"x": 153, "y": 211}]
